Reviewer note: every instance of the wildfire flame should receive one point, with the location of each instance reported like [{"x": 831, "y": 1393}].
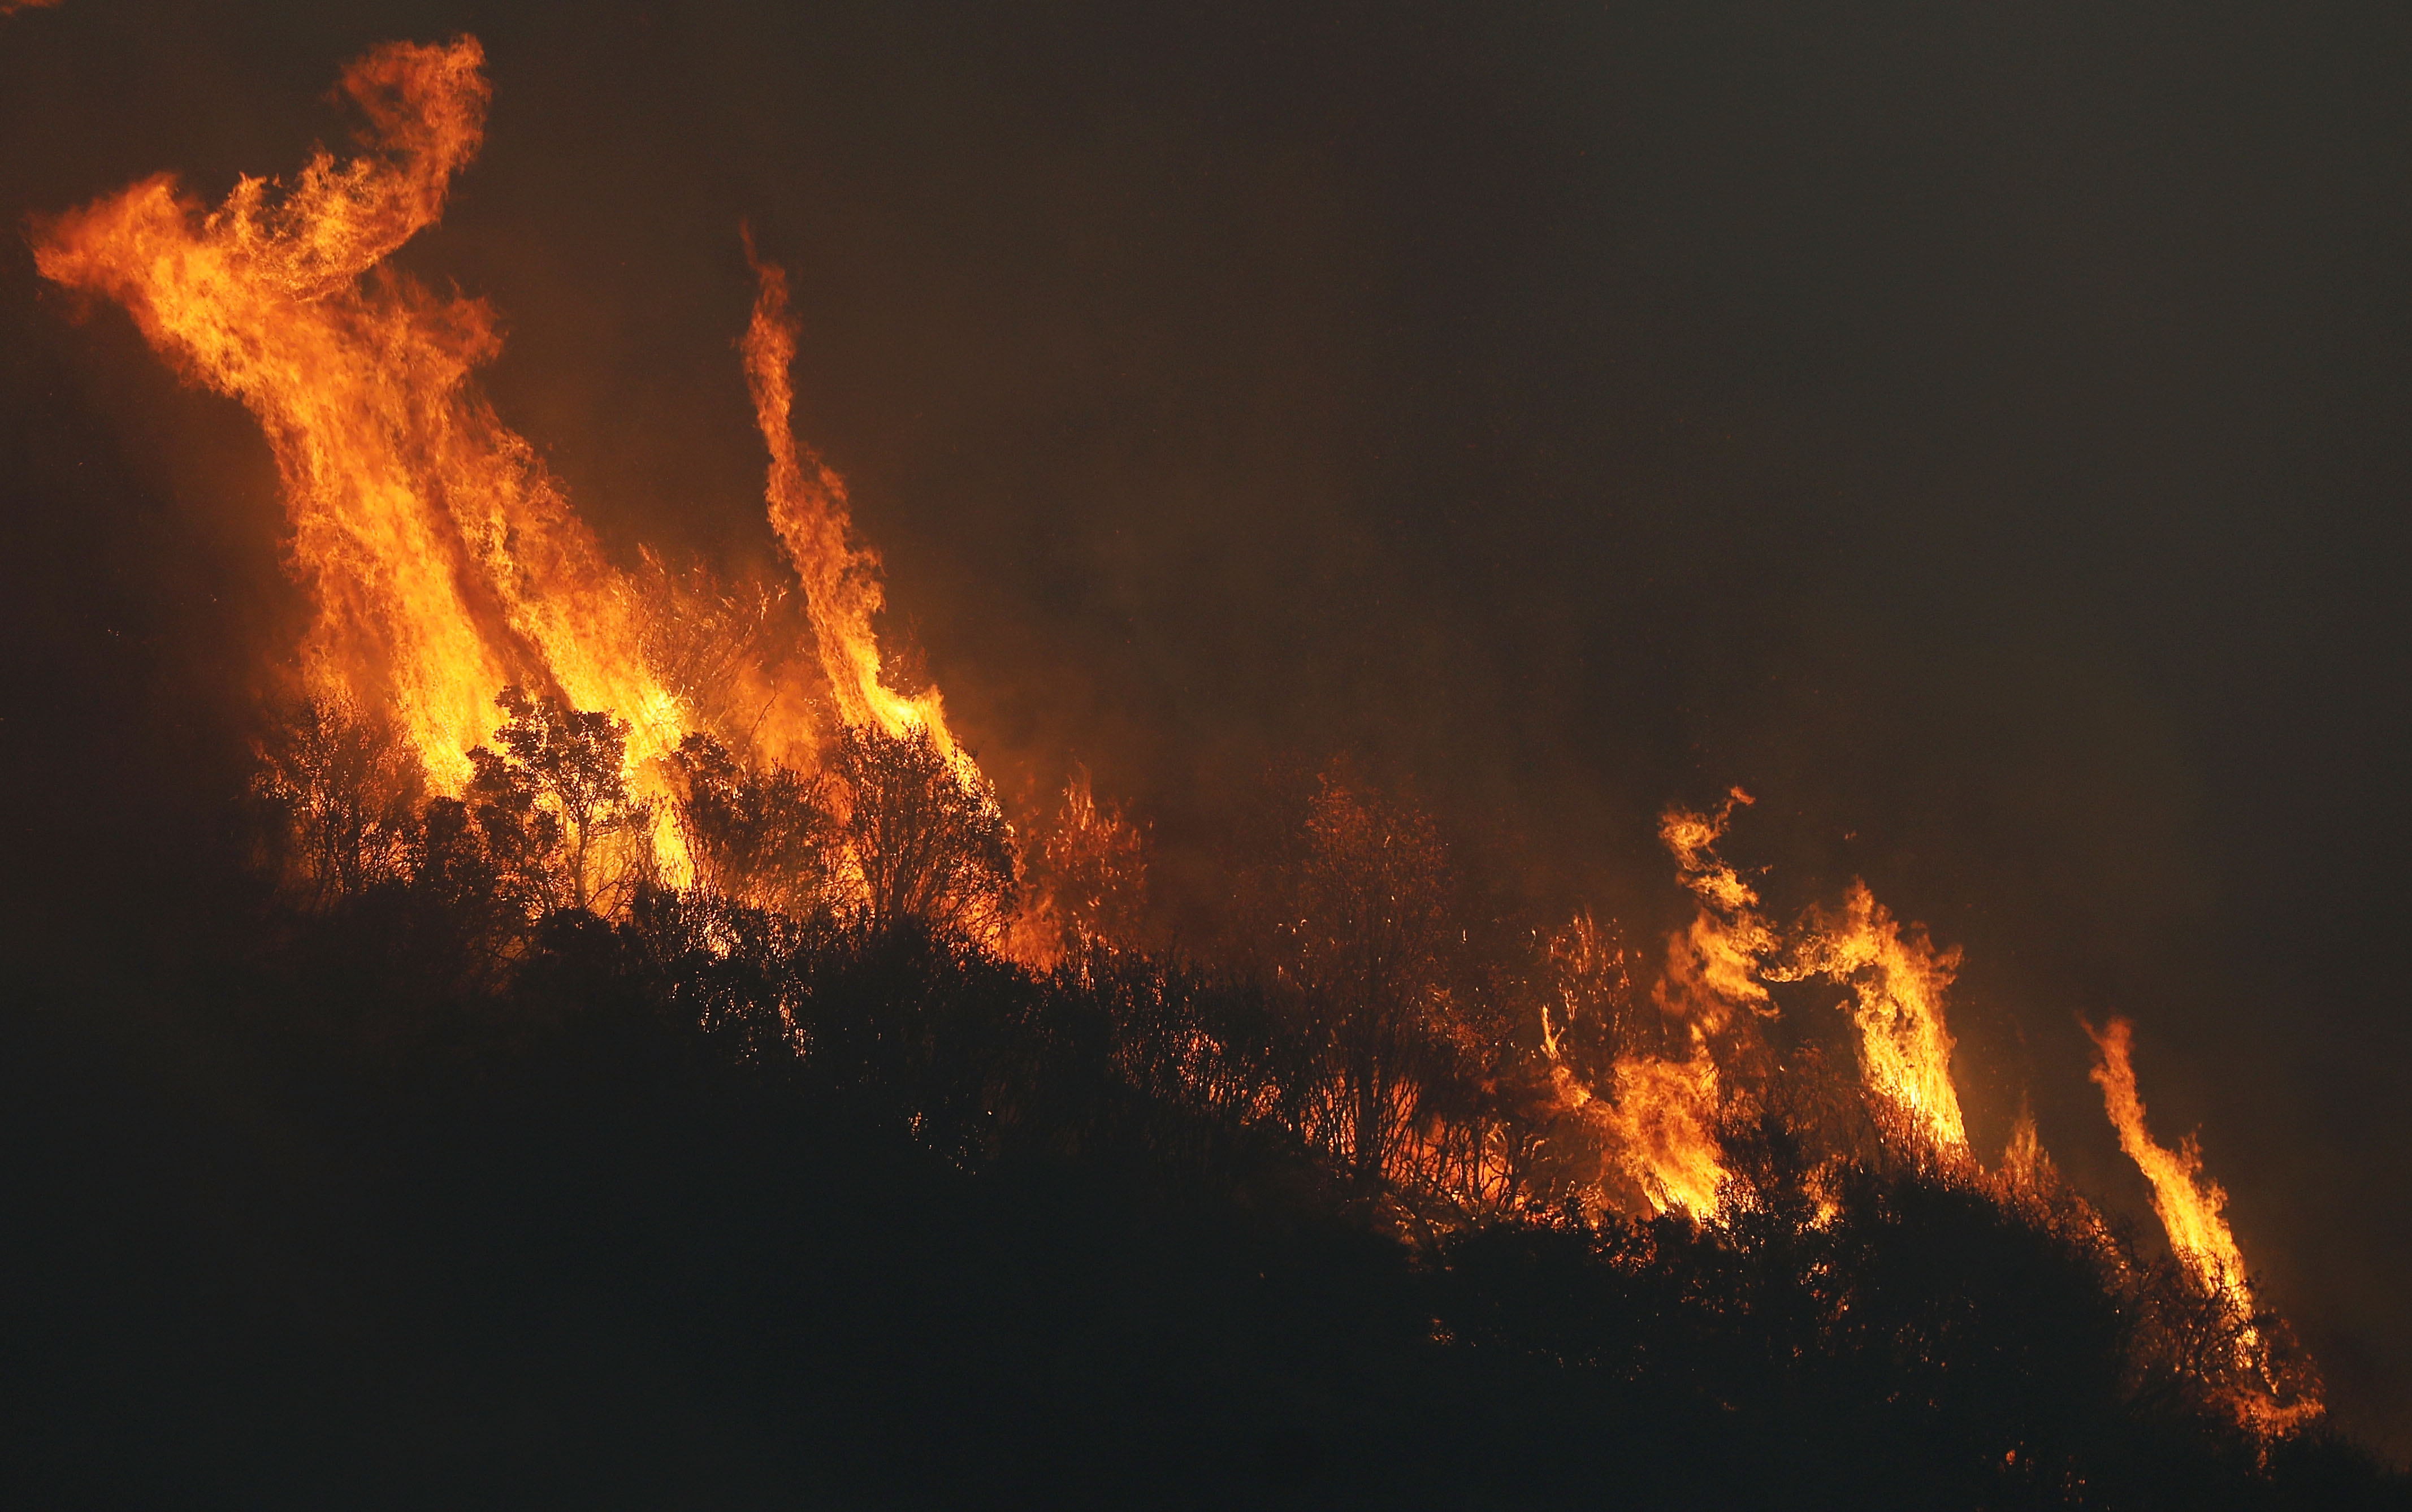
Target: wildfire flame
[
  {"x": 2189, "y": 1204},
  {"x": 2191, "y": 1207},
  {"x": 1665, "y": 1117},
  {"x": 1898, "y": 981},
  {"x": 445, "y": 564},
  {"x": 445, "y": 561},
  {"x": 809, "y": 510},
  {"x": 1714, "y": 966},
  {"x": 1666, "y": 1110},
  {"x": 1715, "y": 987}
]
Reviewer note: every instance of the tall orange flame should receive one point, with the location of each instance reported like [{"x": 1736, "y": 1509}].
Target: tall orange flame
[
  {"x": 446, "y": 561},
  {"x": 1665, "y": 1118},
  {"x": 2191, "y": 1207},
  {"x": 2189, "y": 1203},
  {"x": 809, "y": 510},
  {"x": 1898, "y": 980}
]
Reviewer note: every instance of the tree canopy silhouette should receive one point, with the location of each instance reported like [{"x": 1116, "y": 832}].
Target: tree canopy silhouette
[
  {"x": 796, "y": 1153},
  {"x": 759, "y": 835},
  {"x": 930, "y": 844},
  {"x": 554, "y": 803}
]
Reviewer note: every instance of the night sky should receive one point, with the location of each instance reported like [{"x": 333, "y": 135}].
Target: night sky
[{"x": 1979, "y": 431}]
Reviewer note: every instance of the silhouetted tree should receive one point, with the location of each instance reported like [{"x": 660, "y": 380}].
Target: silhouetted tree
[
  {"x": 762, "y": 836},
  {"x": 927, "y": 838},
  {"x": 554, "y": 804},
  {"x": 1362, "y": 936},
  {"x": 343, "y": 788}
]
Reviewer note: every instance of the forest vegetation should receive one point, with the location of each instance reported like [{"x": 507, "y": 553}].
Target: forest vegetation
[{"x": 444, "y": 1151}]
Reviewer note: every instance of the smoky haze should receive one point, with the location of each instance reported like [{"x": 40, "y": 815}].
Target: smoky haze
[{"x": 1980, "y": 435}]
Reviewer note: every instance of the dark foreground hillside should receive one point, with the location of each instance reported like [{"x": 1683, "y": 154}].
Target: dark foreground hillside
[{"x": 298, "y": 1222}]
